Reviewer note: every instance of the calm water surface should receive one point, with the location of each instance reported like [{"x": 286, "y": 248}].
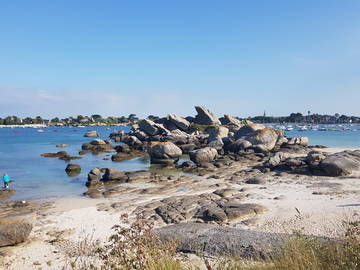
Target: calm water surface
[{"x": 36, "y": 177}]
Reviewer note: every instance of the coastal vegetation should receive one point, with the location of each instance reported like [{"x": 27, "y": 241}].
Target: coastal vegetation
[
  {"x": 97, "y": 119},
  {"x": 135, "y": 246}
]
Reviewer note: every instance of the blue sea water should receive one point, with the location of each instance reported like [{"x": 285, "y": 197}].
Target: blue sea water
[{"x": 37, "y": 177}]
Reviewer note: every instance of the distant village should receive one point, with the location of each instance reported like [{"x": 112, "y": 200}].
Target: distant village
[{"x": 98, "y": 120}]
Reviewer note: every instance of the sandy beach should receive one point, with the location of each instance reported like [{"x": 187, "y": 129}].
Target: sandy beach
[{"x": 314, "y": 205}]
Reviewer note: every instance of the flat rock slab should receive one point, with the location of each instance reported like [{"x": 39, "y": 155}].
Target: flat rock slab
[
  {"x": 220, "y": 241},
  {"x": 209, "y": 208}
]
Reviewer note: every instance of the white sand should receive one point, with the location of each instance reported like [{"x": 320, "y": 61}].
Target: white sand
[{"x": 79, "y": 218}]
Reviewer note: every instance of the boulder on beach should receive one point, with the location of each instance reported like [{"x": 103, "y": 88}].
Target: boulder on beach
[
  {"x": 341, "y": 164},
  {"x": 217, "y": 240},
  {"x": 164, "y": 152},
  {"x": 91, "y": 134},
  {"x": 15, "y": 229},
  {"x": 205, "y": 117},
  {"x": 178, "y": 121},
  {"x": 203, "y": 155}
]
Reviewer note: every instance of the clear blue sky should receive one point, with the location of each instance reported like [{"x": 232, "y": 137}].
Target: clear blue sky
[{"x": 154, "y": 57}]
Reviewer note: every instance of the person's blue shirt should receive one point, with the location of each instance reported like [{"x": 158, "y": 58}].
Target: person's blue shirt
[{"x": 6, "y": 178}]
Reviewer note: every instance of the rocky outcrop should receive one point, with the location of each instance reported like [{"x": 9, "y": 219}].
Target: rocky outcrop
[
  {"x": 341, "y": 164},
  {"x": 205, "y": 117},
  {"x": 15, "y": 229},
  {"x": 164, "y": 153},
  {"x": 217, "y": 240},
  {"x": 91, "y": 134},
  {"x": 178, "y": 121},
  {"x": 203, "y": 155}
]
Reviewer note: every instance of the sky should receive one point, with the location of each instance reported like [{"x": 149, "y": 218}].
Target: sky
[{"x": 63, "y": 58}]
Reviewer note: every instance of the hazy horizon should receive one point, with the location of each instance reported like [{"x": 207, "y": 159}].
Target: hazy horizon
[{"x": 114, "y": 58}]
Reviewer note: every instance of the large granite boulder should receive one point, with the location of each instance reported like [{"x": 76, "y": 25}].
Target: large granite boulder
[
  {"x": 132, "y": 141},
  {"x": 303, "y": 141},
  {"x": 248, "y": 129},
  {"x": 217, "y": 240},
  {"x": 94, "y": 178},
  {"x": 91, "y": 134},
  {"x": 217, "y": 132},
  {"x": 266, "y": 137},
  {"x": 205, "y": 117},
  {"x": 164, "y": 152},
  {"x": 178, "y": 121},
  {"x": 229, "y": 120},
  {"x": 238, "y": 145},
  {"x": 113, "y": 175},
  {"x": 341, "y": 164},
  {"x": 148, "y": 126},
  {"x": 203, "y": 155},
  {"x": 15, "y": 229}
]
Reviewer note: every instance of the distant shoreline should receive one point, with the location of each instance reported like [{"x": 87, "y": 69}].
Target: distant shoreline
[{"x": 46, "y": 126}]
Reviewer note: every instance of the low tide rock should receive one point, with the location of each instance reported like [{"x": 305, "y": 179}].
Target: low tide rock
[
  {"x": 113, "y": 175},
  {"x": 91, "y": 134}
]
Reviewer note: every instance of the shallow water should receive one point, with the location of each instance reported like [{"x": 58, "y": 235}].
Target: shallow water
[{"x": 37, "y": 177}]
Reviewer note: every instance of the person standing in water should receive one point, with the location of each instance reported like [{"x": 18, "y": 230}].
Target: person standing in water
[{"x": 6, "y": 179}]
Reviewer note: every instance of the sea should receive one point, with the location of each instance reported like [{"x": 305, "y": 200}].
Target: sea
[{"x": 39, "y": 178}]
